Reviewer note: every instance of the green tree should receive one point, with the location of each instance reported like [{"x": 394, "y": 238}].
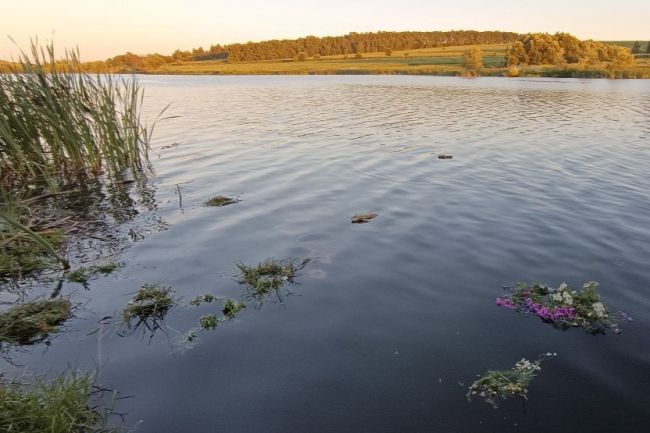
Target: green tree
[
  {"x": 647, "y": 49},
  {"x": 636, "y": 48},
  {"x": 473, "y": 59}
]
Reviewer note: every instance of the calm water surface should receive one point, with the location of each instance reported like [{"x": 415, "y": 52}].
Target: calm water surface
[{"x": 390, "y": 323}]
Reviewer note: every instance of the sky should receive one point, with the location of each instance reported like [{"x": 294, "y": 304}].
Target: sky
[{"x": 104, "y": 28}]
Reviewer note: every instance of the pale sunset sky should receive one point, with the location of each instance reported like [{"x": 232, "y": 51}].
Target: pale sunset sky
[{"x": 104, "y": 28}]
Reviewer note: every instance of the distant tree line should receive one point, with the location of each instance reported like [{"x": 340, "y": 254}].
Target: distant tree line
[
  {"x": 563, "y": 48},
  {"x": 529, "y": 49},
  {"x": 309, "y": 46},
  {"x": 354, "y": 43}
]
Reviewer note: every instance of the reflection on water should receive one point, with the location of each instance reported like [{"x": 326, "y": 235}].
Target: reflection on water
[{"x": 548, "y": 183}]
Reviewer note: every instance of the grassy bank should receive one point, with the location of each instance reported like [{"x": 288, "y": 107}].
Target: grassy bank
[{"x": 65, "y": 404}]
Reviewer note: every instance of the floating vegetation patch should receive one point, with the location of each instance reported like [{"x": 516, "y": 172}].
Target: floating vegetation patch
[
  {"x": 202, "y": 299},
  {"x": 445, "y": 157},
  {"x": 269, "y": 276},
  {"x": 69, "y": 403},
  {"x": 208, "y": 322},
  {"x": 562, "y": 307},
  {"x": 363, "y": 218},
  {"x": 82, "y": 275},
  {"x": 34, "y": 321},
  {"x": 232, "y": 307},
  {"x": 149, "y": 307},
  {"x": 21, "y": 254},
  {"x": 220, "y": 200},
  {"x": 505, "y": 384}
]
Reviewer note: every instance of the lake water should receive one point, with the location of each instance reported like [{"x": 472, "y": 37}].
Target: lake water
[{"x": 392, "y": 320}]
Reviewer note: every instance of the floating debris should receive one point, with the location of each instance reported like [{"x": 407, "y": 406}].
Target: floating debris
[
  {"x": 21, "y": 255},
  {"x": 505, "y": 384},
  {"x": 363, "y": 218},
  {"x": 34, "y": 321},
  {"x": 82, "y": 275},
  {"x": 150, "y": 305},
  {"x": 220, "y": 200},
  {"x": 445, "y": 157},
  {"x": 232, "y": 307},
  {"x": 269, "y": 276},
  {"x": 208, "y": 322},
  {"x": 202, "y": 299},
  {"x": 562, "y": 307}
]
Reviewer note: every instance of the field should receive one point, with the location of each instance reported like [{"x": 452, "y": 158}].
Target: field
[
  {"x": 443, "y": 60},
  {"x": 426, "y": 61}
]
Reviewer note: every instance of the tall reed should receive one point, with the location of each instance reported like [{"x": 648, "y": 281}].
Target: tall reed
[{"x": 56, "y": 120}]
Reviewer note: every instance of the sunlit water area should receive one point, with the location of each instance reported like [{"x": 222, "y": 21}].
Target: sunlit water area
[{"x": 389, "y": 322}]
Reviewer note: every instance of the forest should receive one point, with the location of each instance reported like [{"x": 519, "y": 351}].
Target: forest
[{"x": 309, "y": 46}]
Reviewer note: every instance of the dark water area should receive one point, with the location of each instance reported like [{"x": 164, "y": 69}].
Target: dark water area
[{"x": 392, "y": 320}]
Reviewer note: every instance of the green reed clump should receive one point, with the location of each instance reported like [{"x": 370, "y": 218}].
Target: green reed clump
[
  {"x": 56, "y": 120},
  {"x": 34, "y": 321},
  {"x": 65, "y": 404}
]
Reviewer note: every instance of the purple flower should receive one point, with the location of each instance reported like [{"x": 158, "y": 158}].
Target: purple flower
[{"x": 505, "y": 303}]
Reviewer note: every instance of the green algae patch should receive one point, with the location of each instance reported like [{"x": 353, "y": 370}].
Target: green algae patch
[
  {"x": 220, "y": 201},
  {"x": 151, "y": 302},
  {"x": 68, "y": 403},
  {"x": 34, "y": 321}
]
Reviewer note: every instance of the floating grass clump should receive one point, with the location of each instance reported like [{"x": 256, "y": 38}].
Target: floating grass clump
[
  {"x": 150, "y": 304},
  {"x": 505, "y": 384},
  {"x": 82, "y": 275},
  {"x": 32, "y": 322},
  {"x": 56, "y": 120},
  {"x": 202, "y": 299},
  {"x": 232, "y": 307},
  {"x": 270, "y": 275},
  {"x": 208, "y": 322},
  {"x": 219, "y": 201},
  {"x": 562, "y": 307},
  {"x": 21, "y": 255},
  {"x": 64, "y": 405}
]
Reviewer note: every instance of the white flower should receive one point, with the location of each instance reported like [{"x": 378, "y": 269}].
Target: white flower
[
  {"x": 563, "y": 286},
  {"x": 568, "y": 299},
  {"x": 557, "y": 297},
  {"x": 599, "y": 309}
]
